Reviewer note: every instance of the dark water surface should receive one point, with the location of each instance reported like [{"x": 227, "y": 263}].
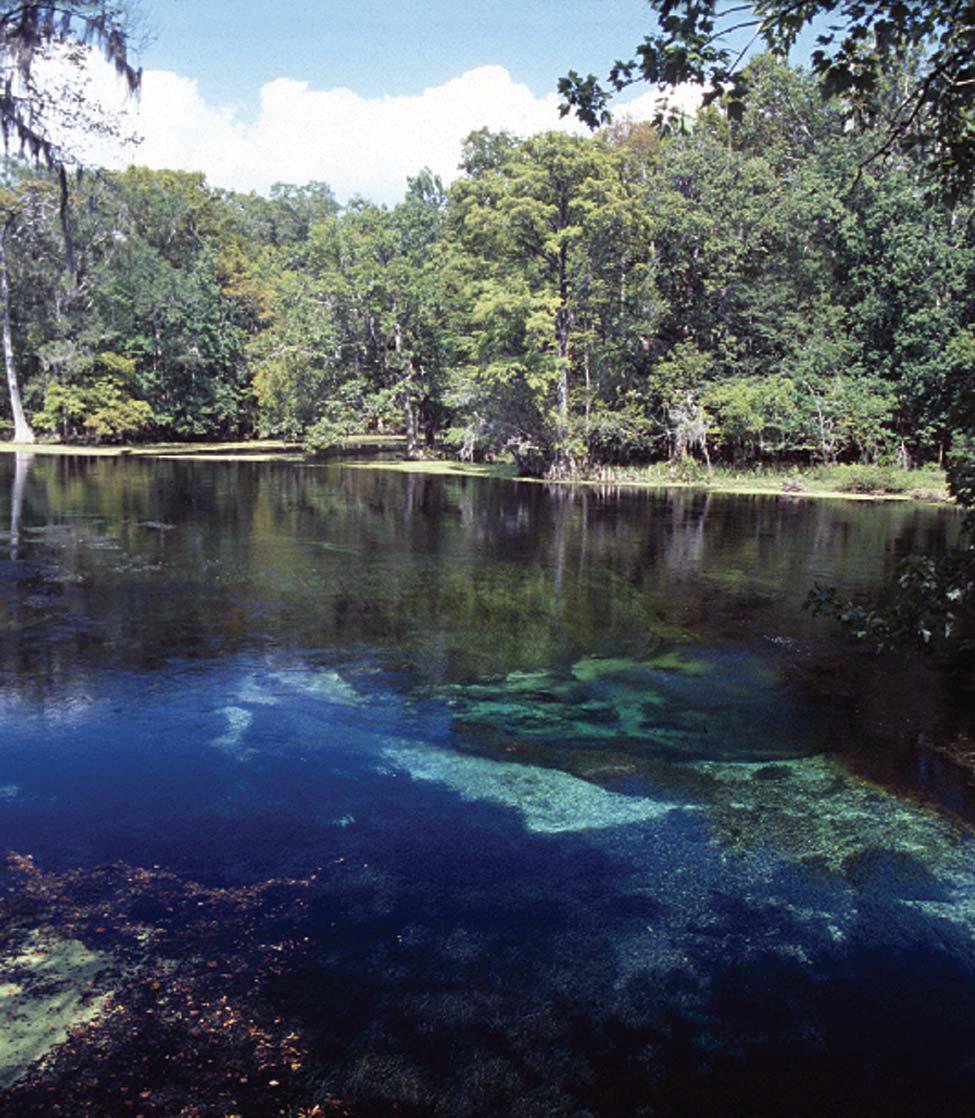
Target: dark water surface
[{"x": 460, "y": 797}]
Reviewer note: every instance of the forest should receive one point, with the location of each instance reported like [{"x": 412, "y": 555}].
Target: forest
[{"x": 752, "y": 291}]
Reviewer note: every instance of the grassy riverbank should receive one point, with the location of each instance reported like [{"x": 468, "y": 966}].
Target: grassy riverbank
[
  {"x": 854, "y": 482},
  {"x": 926, "y": 484}
]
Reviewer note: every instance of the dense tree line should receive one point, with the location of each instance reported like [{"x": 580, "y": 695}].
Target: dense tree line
[{"x": 747, "y": 290}]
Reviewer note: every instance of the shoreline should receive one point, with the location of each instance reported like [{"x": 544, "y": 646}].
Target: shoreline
[
  {"x": 276, "y": 450},
  {"x": 745, "y": 488}
]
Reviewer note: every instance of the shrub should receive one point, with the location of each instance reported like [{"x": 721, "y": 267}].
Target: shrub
[{"x": 873, "y": 479}]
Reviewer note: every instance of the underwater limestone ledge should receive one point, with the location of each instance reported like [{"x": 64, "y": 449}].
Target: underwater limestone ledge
[
  {"x": 49, "y": 987},
  {"x": 549, "y": 800}
]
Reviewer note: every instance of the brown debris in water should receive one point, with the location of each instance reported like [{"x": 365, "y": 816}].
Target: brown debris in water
[{"x": 188, "y": 1029}]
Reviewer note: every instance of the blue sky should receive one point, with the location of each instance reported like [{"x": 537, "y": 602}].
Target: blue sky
[{"x": 232, "y": 47}]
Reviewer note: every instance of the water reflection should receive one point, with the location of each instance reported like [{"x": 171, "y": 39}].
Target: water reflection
[
  {"x": 23, "y": 460},
  {"x": 131, "y": 563}
]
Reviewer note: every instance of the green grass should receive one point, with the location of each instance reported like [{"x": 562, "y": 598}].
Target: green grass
[
  {"x": 442, "y": 467},
  {"x": 852, "y": 481}
]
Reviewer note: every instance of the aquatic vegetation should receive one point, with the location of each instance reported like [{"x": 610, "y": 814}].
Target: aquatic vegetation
[
  {"x": 324, "y": 684},
  {"x": 51, "y": 987},
  {"x": 670, "y": 706},
  {"x": 592, "y": 668},
  {"x": 812, "y": 811},
  {"x": 532, "y": 821},
  {"x": 169, "y": 1012},
  {"x": 679, "y": 662}
]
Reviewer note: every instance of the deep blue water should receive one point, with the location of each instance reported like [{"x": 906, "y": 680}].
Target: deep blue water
[{"x": 573, "y": 809}]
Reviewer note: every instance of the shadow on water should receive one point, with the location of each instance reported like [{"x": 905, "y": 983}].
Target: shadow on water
[
  {"x": 467, "y": 969},
  {"x": 472, "y": 1022}
]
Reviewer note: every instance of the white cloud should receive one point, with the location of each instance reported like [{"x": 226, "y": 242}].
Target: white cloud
[{"x": 358, "y": 145}]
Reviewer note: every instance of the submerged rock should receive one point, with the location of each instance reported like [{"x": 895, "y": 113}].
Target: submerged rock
[
  {"x": 592, "y": 668},
  {"x": 326, "y": 685},
  {"x": 231, "y": 741},
  {"x": 677, "y": 662},
  {"x": 253, "y": 691},
  {"x": 549, "y": 800}
]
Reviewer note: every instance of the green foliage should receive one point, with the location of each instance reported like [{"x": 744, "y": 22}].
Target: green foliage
[
  {"x": 648, "y": 303},
  {"x": 157, "y": 298},
  {"x": 625, "y": 432},
  {"x": 354, "y": 336},
  {"x": 873, "y": 479},
  {"x": 329, "y": 430},
  {"x": 101, "y": 407},
  {"x": 682, "y": 370},
  {"x": 549, "y": 253},
  {"x": 961, "y": 460},
  {"x": 845, "y": 417},
  {"x": 931, "y": 607},
  {"x": 961, "y": 475},
  {"x": 754, "y": 417}
]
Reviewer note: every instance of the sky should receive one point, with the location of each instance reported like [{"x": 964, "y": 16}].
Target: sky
[{"x": 360, "y": 94}]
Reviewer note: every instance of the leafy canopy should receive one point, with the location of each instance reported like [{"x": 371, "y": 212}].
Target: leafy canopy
[{"x": 706, "y": 41}]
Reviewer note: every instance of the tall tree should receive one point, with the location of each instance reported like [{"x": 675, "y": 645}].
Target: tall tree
[
  {"x": 543, "y": 236},
  {"x": 37, "y": 115},
  {"x": 24, "y": 207},
  {"x": 157, "y": 296}
]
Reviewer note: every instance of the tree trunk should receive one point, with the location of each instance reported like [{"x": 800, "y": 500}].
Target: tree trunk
[
  {"x": 411, "y": 423},
  {"x": 23, "y": 432},
  {"x": 410, "y": 418},
  {"x": 563, "y": 461},
  {"x": 64, "y": 214}
]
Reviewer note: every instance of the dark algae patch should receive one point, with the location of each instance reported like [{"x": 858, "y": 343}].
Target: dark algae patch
[{"x": 332, "y": 791}]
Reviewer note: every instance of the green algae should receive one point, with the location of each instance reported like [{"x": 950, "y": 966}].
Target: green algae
[
  {"x": 678, "y": 662},
  {"x": 48, "y": 988},
  {"x": 591, "y": 669},
  {"x": 815, "y": 813},
  {"x": 599, "y": 727},
  {"x": 671, "y": 705}
]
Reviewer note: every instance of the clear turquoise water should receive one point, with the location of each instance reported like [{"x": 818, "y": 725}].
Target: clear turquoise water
[{"x": 593, "y": 819}]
